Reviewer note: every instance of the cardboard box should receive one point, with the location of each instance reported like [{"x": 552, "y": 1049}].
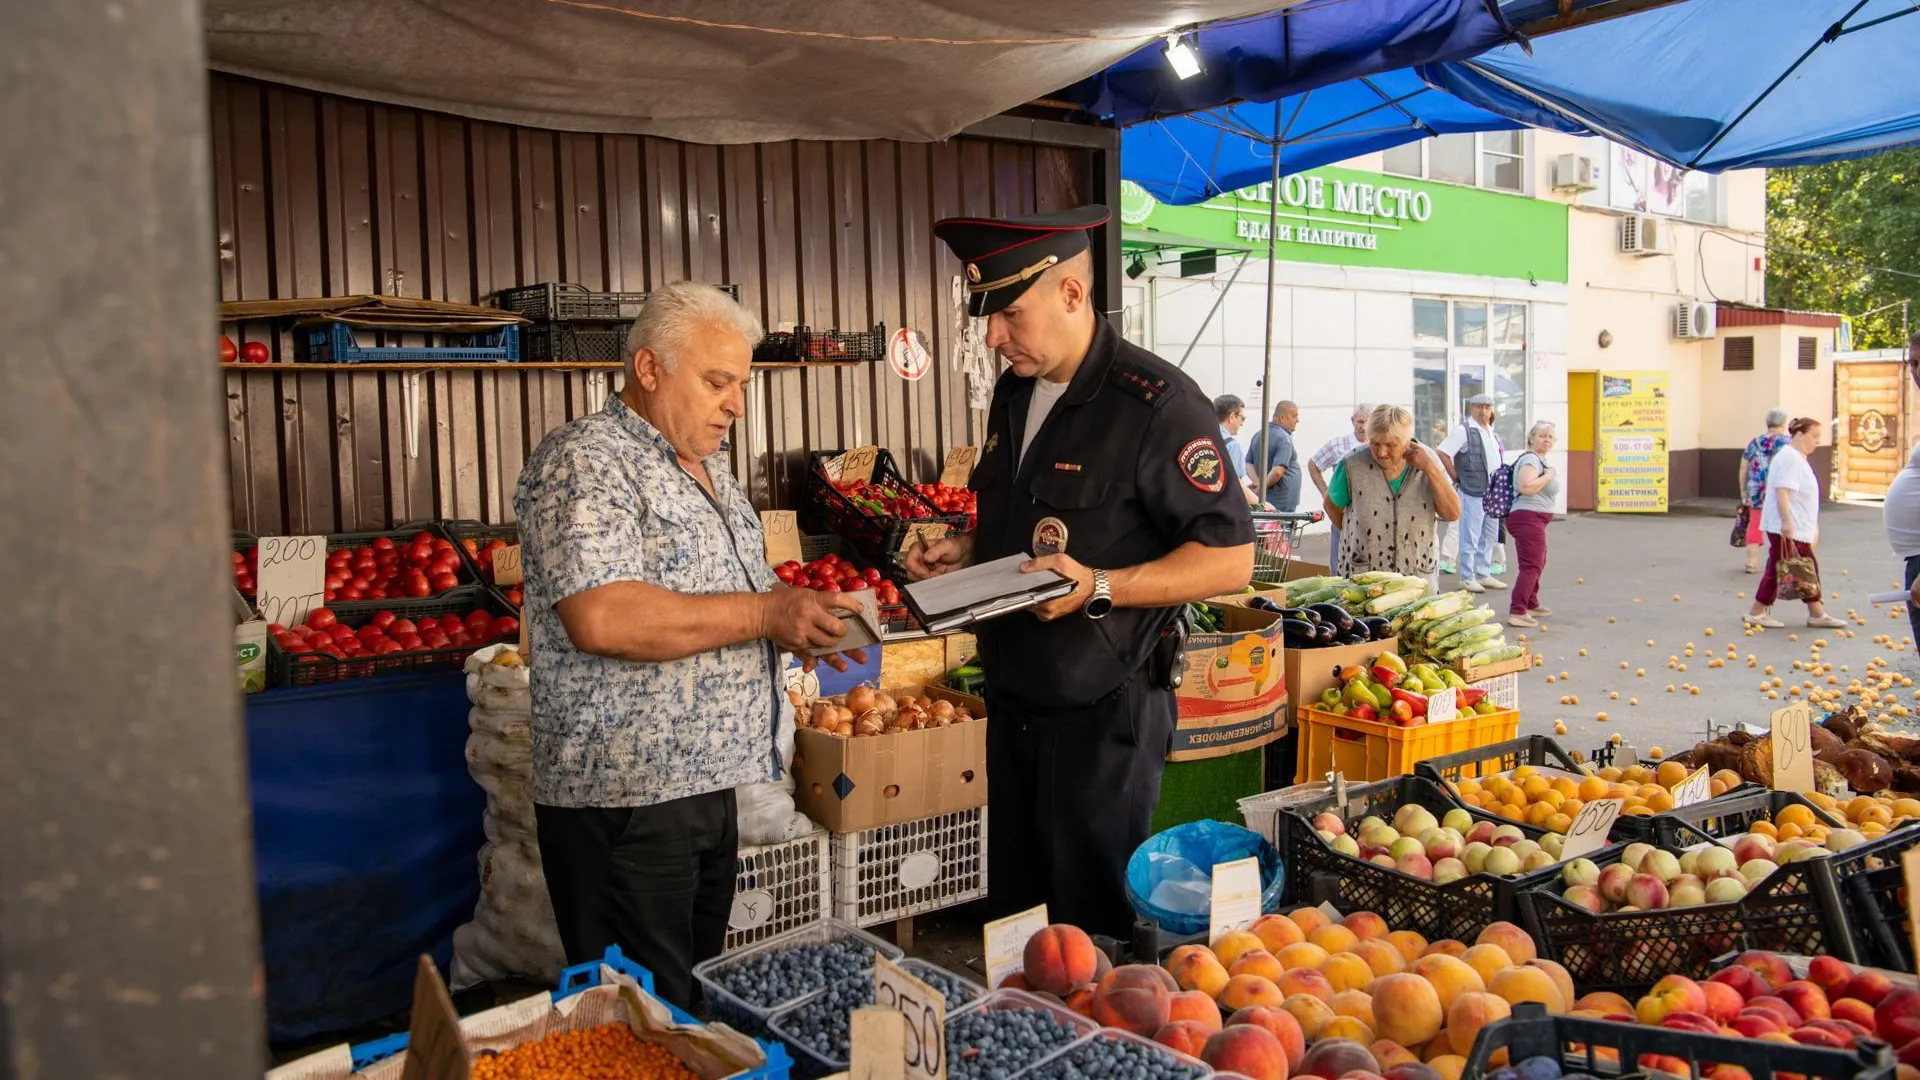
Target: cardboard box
[
  {"x": 863, "y": 783},
  {"x": 1235, "y": 694},
  {"x": 1310, "y": 671},
  {"x": 1523, "y": 662},
  {"x": 249, "y": 646},
  {"x": 1239, "y": 599}
]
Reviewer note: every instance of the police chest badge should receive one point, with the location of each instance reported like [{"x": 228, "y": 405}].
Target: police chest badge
[
  {"x": 1200, "y": 464},
  {"x": 1049, "y": 537}
]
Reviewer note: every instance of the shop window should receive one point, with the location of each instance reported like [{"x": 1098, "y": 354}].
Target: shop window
[
  {"x": 1431, "y": 416},
  {"x": 1496, "y": 160},
  {"x": 1503, "y": 162},
  {"x": 1467, "y": 347},
  {"x": 1736, "y": 354},
  {"x": 1430, "y": 322},
  {"x": 1469, "y": 324},
  {"x": 1809, "y": 354},
  {"x": 1702, "y": 198}
]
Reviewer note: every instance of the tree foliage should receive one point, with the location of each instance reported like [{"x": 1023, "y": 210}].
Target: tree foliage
[{"x": 1828, "y": 226}]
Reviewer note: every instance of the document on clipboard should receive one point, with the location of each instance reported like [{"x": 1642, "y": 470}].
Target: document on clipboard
[{"x": 981, "y": 592}]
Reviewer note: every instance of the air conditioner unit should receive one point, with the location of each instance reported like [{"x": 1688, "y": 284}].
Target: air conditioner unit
[
  {"x": 1575, "y": 172},
  {"x": 1695, "y": 319},
  {"x": 1641, "y": 235}
]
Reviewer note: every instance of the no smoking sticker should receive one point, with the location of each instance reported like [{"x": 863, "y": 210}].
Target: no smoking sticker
[{"x": 908, "y": 355}]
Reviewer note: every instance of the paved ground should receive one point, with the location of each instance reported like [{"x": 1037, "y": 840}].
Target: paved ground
[{"x": 1668, "y": 580}]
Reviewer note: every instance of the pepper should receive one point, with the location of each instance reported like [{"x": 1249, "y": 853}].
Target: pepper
[
  {"x": 1363, "y": 712},
  {"x": 1385, "y": 675},
  {"x": 1470, "y": 696},
  {"x": 1417, "y": 703},
  {"x": 1390, "y": 661},
  {"x": 1402, "y": 712}
]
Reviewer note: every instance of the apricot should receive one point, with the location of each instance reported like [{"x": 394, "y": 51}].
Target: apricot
[
  {"x": 1408, "y": 1009},
  {"x": 1562, "y": 980},
  {"x": 1346, "y": 971},
  {"x": 1276, "y": 932},
  {"x": 1279, "y": 1023},
  {"x": 1309, "y": 919},
  {"x": 1136, "y": 998},
  {"x": 1194, "y": 967},
  {"x": 1446, "y": 947},
  {"x": 1346, "y": 1027},
  {"x": 1487, "y": 960},
  {"x": 1449, "y": 1066},
  {"x": 1244, "y": 990},
  {"x": 1450, "y": 976},
  {"x": 1471, "y": 1012},
  {"x": 1257, "y": 962},
  {"x": 1193, "y": 1005},
  {"x": 1517, "y": 943},
  {"x": 1381, "y": 956},
  {"x": 1251, "y": 1051},
  {"x": 1311, "y": 1013},
  {"x": 1518, "y": 984},
  {"x": 1605, "y": 1003},
  {"x": 1438, "y": 1046},
  {"x": 1060, "y": 959},
  {"x": 1410, "y": 944},
  {"x": 1389, "y": 1053}
]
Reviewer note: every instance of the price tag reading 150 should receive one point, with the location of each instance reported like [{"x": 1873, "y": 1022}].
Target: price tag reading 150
[
  {"x": 1591, "y": 827},
  {"x": 926, "y": 1015}
]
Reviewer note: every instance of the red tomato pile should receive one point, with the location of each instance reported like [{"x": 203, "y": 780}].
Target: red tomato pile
[
  {"x": 384, "y": 570},
  {"x": 323, "y": 633},
  {"x": 950, "y": 500},
  {"x": 245, "y": 565},
  {"x": 831, "y": 573},
  {"x": 482, "y": 555}
]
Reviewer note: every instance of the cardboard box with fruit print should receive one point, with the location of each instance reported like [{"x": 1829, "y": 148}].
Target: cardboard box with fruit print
[{"x": 1235, "y": 692}]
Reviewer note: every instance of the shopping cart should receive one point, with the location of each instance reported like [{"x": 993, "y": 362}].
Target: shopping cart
[{"x": 1276, "y": 536}]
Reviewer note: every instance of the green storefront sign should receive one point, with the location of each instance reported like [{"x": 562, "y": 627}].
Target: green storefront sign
[{"x": 1351, "y": 218}]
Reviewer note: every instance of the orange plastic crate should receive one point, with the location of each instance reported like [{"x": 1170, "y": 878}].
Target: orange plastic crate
[{"x": 1371, "y": 750}]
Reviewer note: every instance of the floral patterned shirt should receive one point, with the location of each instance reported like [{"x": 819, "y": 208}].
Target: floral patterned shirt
[
  {"x": 604, "y": 499},
  {"x": 1757, "y": 456}
]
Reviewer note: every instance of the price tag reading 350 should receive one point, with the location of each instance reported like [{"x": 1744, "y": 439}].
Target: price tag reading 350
[
  {"x": 1590, "y": 828},
  {"x": 926, "y": 1013},
  {"x": 293, "y": 577}
]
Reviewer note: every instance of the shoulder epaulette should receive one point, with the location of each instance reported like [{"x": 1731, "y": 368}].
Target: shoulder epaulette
[{"x": 1142, "y": 382}]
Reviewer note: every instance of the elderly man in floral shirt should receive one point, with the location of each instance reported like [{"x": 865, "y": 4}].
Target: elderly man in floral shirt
[{"x": 656, "y": 632}]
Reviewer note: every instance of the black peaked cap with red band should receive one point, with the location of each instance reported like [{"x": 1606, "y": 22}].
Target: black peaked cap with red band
[{"x": 1003, "y": 257}]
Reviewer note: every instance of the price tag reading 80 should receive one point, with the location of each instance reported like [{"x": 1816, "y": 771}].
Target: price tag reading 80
[{"x": 926, "y": 1015}]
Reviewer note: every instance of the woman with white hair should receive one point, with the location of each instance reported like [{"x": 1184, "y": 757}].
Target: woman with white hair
[
  {"x": 1902, "y": 521},
  {"x": 1753, "y": 481},
  {"x": 1386, "y": 497},
  {"x": 1535, "y": 484}
]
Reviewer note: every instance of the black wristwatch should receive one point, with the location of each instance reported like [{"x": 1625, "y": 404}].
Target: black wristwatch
[{"x": 1101, "y": 601}]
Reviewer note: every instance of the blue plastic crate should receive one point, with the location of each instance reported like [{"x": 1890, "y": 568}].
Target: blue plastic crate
[
  {"x": 336, "y": 343},
  {"x": 573, "y": 980}
]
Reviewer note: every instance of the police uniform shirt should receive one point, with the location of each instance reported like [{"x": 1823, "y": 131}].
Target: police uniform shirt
[{"x": 1126, "y": 467}]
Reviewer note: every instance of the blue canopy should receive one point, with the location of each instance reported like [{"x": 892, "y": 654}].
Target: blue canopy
[
  {"x": 1716, "y": 84},
  {"x": 1308, "y": 45},
  {"x": 1190, "y": 159}
]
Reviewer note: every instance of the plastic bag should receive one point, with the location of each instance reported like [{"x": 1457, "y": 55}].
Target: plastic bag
[
  {"x": 765, "y": 811},
  {"x": 1177, "y": 865}
]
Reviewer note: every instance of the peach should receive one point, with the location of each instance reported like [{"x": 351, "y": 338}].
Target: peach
[
  {"x": 1829, "y": 974},
  {"x": 1015, "y": 981},
  {"x": 1605, "y": 1002},
  {"x": 1334, "y": 1057},
  {"x": 1381, "y": 956},
  {"x": 1309, "y": 919},
  {"x": 1276, "y": 932},
  {"x": 1345, "y": 971},
  {"x": 1847, "y": 1031},
  {"x": 1518, "y": 984},
  {"x": 1279, "y": 1023},
  {"x": 1904, "y": 1071},
  {"x": 1438, "y": 1046},
  {"x": 1786, "y": 1014},
  {"x": 1251, "y": 1051},
  {"x": 1754, "y": 1023},
  {"x": 1807, "y": 999},
  {"x": 1451, "y": 977},
  {"x": 1868, "y": 986},
  {"x": 1723, "y": 1001},
  {"x": 1770, "y": 967},
  {"x": 1307, "y": 981},
  {"x": 1060, "y": 959},
  {"x": 1449, "y": 1066},
  {"x": 1743, "y": 979},
  {"x": 1346, "y": 1027},
  {"x": 1409, "y": 1070},
  {"x": 1562, "y": 981},
  {"x": 1257, "y": 962},
  {"x": 1355, "y": 1003},
  {"x": 1389, "y": 1053},
  {"x": 1194, "y": 967},
  {"x": 1673, "y": 993},
  {"x": 1230, "y": 946},
  {"x": 1488, "y": 960},
  {"x": 1408, "y": 1009},
  {"x": 1855, "y": 1011},
  {"x": 1312, "y": 1014},
  {"x": 1334, "y": 938},
  {"x": 1690, "y": 1021},
  {"x": 1471, "y": 1012},
  {"x": 1410, "y": 944},
  {"x": 1194, "y": 1005},
  {"x": 1081, "y": 1001},
  {"x": 1185, "y": 1036},
  {"x": 1812, "y": 1036},
  {"x": 1514, "y": 940},
  {"x": 1727, "y": 1072},
  {"x": 1304, "y": 955},
  {"x": 1896, "y": 1018},
  {"x": 1245, "y": 990},
  {"x": 1446, "y": 947},
  {"x": 1134, "y": 998},
  {"x": 1366, "y": 926}
]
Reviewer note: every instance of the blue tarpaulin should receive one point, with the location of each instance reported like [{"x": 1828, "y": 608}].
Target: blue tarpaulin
[
  {"x": 1308, "y": 45},
  {"x": 1716, "y": 84}
]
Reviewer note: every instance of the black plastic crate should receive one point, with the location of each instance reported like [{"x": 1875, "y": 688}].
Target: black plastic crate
[
  {"x": 401, "y": 536},
  {"x": 1874, "y": 904},
  {"x": 338, "y": 343},
  {"x": 895, "y": 618},
  {"x": 1609, "y": 1048},
  {"x": 583, "y": 343},
  {"x": 557, "y": 300},
  {"x": 1458, "y": 909},
  {"x": 805, "y": 345},
  {"x": 876, "y": 538},
  {"x": 286, "y": 669},
  {"x": 461, "y": 530},
  {"x": 1729, "y": 815}
]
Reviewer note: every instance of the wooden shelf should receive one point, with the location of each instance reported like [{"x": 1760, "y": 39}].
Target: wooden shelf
[
  {"x": 812, "y": 363},
  {"x": 509, "y": 365}
]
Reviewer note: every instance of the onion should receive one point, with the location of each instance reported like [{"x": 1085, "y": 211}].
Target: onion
[
  {"x": 960, "y": 714},
  {"x": 845, "y": 728},
  {"x": 942, "y": 710},
  {"x": 823, "y": 715},
  {"x": 842, "y": 715},
  {"x": 884, "y": 702},
  {"x": 860, "y": 699},
  {"x": 869, "y": 725},
  {"x": 838, "y": 699},
  {"x": 793, "y": 695}
]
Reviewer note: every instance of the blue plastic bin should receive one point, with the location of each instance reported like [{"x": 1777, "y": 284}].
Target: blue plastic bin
[{"x": 1205, "y": 844}]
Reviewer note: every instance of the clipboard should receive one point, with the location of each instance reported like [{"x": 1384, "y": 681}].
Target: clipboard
[{"x": 982, "y": 592}]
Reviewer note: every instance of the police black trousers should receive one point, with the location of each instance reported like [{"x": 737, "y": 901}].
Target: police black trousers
[
  {"x": 655, "y": 880},
  {"x": 1070, "y": 795}
]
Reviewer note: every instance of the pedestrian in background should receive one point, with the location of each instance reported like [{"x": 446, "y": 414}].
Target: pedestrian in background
[
  {"x": 1535, "y": 485},
  {"x": 1387, "y": 498},
  {"x": 1274, "y": 454},
  {"x": 1232, "y": 414},
  {"x": 1471, "y": 453},
  {"x": 1791, "y": 519},
  {"x": 1902, "y": 522},
  {"x": 1753, "y": 480},
  {"x": 1327, "y": 458}
]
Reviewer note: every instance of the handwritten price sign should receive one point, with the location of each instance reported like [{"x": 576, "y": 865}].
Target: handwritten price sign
[
  {"x": 506, "y": 565},
  {"x": 1697, "y": 788},
  {"x": 959, "y": 465},
  {"x": 1792, "y": 753},
  {"x": 1591, "y": 827},
  {"x": 857, "y": 464},
  {"x": 293, "y": 577},
  {"x": 922, "y": 530},
  {"x": 926, "y": 1014},
  {"x": 1006, "y": 942},
  {"x": 1443, "y": 706},
  {"x": 1236, "y": 897},
  {"x": 782, "y": 536}
]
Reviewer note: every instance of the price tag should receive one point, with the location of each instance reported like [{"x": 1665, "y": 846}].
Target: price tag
[
  {"x": 1792, "y": 756},
  {"x": 1006, "y": 942},
  {"x": 877, "y": 1045},
  {"x": 782, "y": 535},
  {"x": 1910, "y": 869},
  {"x": 506, "y": 565},
  {"x": 1591, "y": 828},
  {"x": 1443, "y": 706},
  {"x": 1696, "y": 788},
  {"x": 925, "y": 1010},
  {"x": 293, "y": 577},
  {"x": 857, "y": 464},
  {"x": 959, "y": 465},
  {"x": 1236, "y": 897},
  {"x": 922, "y": 530}
]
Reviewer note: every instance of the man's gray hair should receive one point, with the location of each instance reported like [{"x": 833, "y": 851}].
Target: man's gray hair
[
  {"x": 672, "y": 311},
  {"x": 1777, "y": 417},
  {"x": 1363, "y": 410}
]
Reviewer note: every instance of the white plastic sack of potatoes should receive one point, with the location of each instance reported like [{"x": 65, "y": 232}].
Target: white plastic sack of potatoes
[{"x": 766, "y": 811}]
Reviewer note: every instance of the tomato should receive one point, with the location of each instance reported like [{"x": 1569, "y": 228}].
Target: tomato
[
  {"x": 320, "y": 618},
  {"x": 470, "y": 547},
  {"x": 228, "y": 350},
  {"x": 435, "y": 639},
  {"x": 513, "y": 597},
  {"x": 831, "y": 586},
  {"x": 334, "y": 651},
  {"x": 418, "y": 587},
  {"x": 341, "y": 632},
  {"x": 385, "y": 647},
  {"x": 351, "y": 592},
  {"x": 400, "y": 626},
  {"x": 459, "y": 638},
  {"x": 478, "y": 620},
  {"x": 255, "y": 352},
  {"x": 424, "y": 537},
  {"x": 408, "y": 642},
  {"x": 381, "y": 620},
  {"x": 446, "y": 560},
  {"x": 295, "y": 645},
  {"x": 872, "y": 575},
  {"x": 442, "y": 582}
]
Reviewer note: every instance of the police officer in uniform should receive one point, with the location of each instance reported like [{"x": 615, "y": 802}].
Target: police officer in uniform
[{"x": 1103, "y": 462}]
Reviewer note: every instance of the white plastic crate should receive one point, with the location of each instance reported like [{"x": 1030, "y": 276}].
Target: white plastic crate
[
  {"x": 1259, "y": 811},
  {"x": 898, "y": 871},
  {"x": 778, "y": 887},
  {"x": 1502, "y": 690}
]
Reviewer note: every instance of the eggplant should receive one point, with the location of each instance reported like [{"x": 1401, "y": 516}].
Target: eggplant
[
  {"x": 1301, "y": 630},
  {"x": 1379, "y": 627},
  {"x": 1356, "y": 636},
  {"x": 1325, "y": 633},
  {"x": 1301, "y": 614},
  {"x": 1262, "y": 603},
  {"x": 1334, "y": 614}
]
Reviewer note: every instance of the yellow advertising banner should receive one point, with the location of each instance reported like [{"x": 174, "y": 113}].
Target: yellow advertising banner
[{"x": 1631, "y": 450}]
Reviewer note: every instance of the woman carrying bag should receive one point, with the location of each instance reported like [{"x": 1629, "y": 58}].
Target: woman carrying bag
[{"x": 1790, "y": 517}]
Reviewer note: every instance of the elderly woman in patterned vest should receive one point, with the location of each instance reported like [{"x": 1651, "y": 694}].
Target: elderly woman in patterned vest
[{"x": 1385, "y": 499}]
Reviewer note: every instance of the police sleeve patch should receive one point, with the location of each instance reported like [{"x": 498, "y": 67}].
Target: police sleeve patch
[{"x": 1201, "y": 464}]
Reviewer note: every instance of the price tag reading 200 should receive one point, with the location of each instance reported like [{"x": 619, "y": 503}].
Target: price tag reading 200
[
  {"x": 292, "y": 582},
  {"x": 926, "y": 1013}
]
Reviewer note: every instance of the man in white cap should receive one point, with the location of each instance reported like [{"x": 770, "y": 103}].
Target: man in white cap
[{"x": 1472, "y": 452}]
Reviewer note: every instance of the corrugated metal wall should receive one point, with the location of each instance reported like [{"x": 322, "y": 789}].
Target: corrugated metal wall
[{"x": 323, "y": 196}]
